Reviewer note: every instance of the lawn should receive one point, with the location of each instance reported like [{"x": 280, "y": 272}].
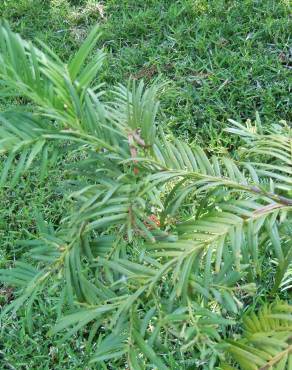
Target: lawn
[{"x": 222, "y": 58}]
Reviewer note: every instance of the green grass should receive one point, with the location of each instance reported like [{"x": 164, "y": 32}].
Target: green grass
[{"x": 224, "y": 59}]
